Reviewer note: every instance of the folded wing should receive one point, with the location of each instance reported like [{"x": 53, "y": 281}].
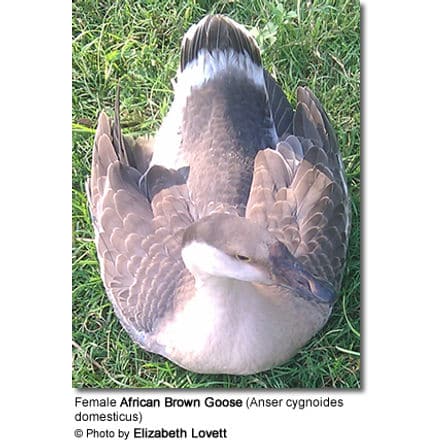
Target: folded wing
[
  {"x": 300, "y": 194},
  {"x": 138, "y": 222}
]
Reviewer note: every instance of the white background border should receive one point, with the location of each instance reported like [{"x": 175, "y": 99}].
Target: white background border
[{"x": 400, "y": 180}]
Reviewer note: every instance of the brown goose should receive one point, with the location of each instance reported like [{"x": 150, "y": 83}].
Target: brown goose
[{"x": 222, "y": 244}]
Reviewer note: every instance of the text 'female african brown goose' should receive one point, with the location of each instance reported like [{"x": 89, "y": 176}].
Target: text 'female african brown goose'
[{"x": 222, "y": 243}]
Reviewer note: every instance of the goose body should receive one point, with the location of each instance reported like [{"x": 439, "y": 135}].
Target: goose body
[{"x": 222, "y": 242}]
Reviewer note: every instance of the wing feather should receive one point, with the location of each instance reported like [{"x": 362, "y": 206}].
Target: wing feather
[
  {"x": 300, "y": 194},
  {"x": 137, "y": 240},
  {"x": 282, "y": 111}
]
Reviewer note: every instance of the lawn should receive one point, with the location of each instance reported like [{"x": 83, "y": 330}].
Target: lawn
[{"x": 137, "y": 43}]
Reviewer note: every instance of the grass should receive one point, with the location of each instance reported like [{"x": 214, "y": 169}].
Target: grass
[{"x": 303, "y": 43}]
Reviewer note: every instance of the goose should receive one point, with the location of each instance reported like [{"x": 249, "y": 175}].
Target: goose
[{"x": 222, "y": 241}]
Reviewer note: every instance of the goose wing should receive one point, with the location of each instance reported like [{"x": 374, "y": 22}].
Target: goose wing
[
  {"x": 300, "y": 194},
  {"x": 138, "y": 224}
]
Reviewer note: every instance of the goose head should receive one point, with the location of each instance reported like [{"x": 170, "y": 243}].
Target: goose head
[{"x": 228, "y": 246}]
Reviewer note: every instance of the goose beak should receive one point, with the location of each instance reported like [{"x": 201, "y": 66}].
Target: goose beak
[{"x": 288, "y": 272}]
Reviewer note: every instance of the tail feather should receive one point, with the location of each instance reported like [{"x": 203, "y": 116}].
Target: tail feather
[{"x": 217, "y": 32}]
